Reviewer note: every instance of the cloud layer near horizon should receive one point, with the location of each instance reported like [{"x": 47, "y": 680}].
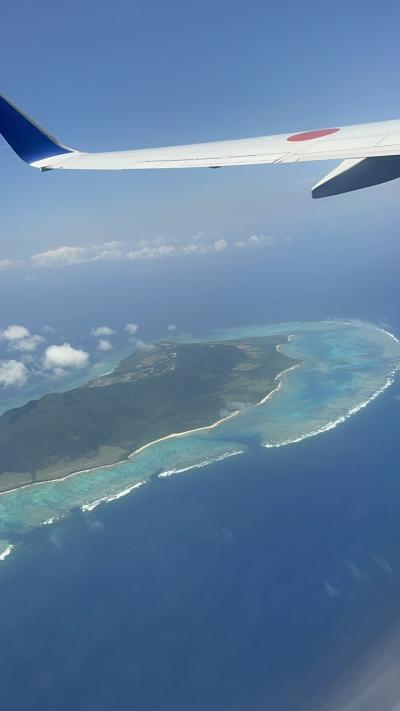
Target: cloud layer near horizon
[{"x": 68, "y": 255}]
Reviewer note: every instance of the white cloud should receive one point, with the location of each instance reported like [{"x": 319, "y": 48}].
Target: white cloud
[
  {"x": 194, "y": 249},
  {"x": 61, "y": 256},
  {"x": 12, "y": 372},
  {"x": 14, "y": 333},
  {"x": 69, "y": 255},
  {"x": 164, "y": 250},
  {"x": 102, "y": 331},
  {"x": 27, "y": 345},
  {"x": 383, "y": 565},
  {"x": 255, "y": 241},
  {"x": 258, "y": 240},
  {"x": 220, "y": 245},
  {"x": 142, "y": 345},
  {"x": 65, "y": 356},
  {"x": 19, "y": 338},
  {"x": 131, "y": 328},
  {"x": 331, "y": 590},
  {"x": 171, "y": 327},
  {"x": 355, "y": 571},
  {"x": 104, "y": 345},
  {"x": 109, "y": 251},
  {"x": 6, "y": 264}
]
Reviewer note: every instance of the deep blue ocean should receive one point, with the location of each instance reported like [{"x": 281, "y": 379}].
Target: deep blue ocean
[
  {"x": 210, "y": 590},
  {"x": 256, "y": 583}
]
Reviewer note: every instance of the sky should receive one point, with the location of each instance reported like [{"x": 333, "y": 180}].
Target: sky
[
  {"x": 102, "y": 75},
  {"x": 81, "y": 250}
]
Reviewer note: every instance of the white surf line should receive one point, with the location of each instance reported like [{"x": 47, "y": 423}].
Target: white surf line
[
  {"x": 388, "y": 333},
  {"x": 340, "y": 420},
  {"x": 111, "y": 497},
  {"x": 52, "y": 519},
  {"x": 352, "y": 411},
  {"x": 6, "y": 552},
  {"x": 206, "y": 462}
]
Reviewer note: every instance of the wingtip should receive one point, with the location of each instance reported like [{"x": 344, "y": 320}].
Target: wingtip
[{"x": 29, "y": 141}]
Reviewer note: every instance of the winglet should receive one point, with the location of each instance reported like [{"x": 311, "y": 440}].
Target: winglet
[
  {"x": 29, "y": 141},
  {"x": 356, "y": 174}
]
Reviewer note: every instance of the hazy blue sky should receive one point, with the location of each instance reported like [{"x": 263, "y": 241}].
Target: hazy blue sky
[{"x": 102, "y": 75}]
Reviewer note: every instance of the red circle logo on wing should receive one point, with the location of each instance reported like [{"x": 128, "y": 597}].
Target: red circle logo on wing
[{"x": 309, "y": 135}]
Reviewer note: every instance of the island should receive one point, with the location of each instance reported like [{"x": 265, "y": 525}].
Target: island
[{"x": 160, "y": 389}]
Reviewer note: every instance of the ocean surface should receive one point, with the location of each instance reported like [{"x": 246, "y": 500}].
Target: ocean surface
[
  {"x": 248, "y": 584},
  {"x": 253, "y": 582}
]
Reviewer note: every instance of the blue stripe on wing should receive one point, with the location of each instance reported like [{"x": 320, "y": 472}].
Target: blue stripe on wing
[{"x": 29, "y": 141}]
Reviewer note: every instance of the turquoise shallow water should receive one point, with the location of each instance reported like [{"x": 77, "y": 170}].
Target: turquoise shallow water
[{"x": 345, "y": 365}]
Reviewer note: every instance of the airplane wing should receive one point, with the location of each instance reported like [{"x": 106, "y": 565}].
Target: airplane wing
[{"x": 370, "y": 152}]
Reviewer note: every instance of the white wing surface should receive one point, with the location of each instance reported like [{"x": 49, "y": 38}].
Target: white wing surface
[{"x": 371, "y": 152}]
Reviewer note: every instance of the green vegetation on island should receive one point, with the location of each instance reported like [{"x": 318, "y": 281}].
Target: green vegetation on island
[{"x": 158, "y": 390}]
